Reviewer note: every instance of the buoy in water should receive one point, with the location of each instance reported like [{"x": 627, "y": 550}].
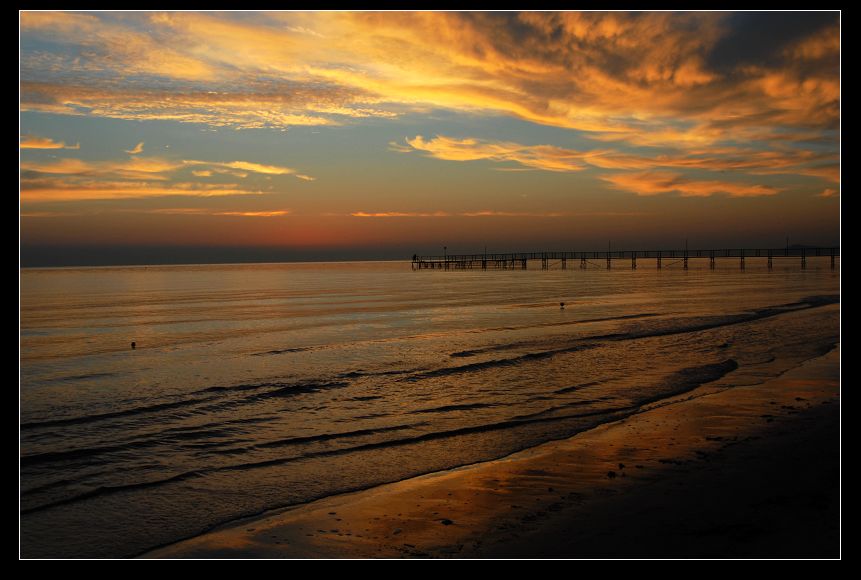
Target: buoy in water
[
  {"x": 134, "y": 345},
  {"x": 561, "y": 306}
]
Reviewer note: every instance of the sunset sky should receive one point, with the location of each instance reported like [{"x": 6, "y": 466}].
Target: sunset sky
[{"x": 164, "y": 137}]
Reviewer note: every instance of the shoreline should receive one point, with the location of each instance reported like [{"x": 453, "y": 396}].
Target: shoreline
[{"x": 715, "y": 475}]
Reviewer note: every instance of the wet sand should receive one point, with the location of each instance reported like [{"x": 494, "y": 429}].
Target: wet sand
[{"x": 750, "y": 471}]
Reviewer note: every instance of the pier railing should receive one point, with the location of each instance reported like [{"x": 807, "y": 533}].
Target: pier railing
[{"x": 520, "y": 260}]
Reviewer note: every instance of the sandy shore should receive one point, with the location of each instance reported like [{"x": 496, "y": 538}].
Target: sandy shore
[{"x": 744, "y": 472}]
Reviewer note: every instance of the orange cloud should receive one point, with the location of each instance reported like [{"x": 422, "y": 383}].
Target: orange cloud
[
  {"x": 241, "y": 168},
  {"x": 136, "y": 167},
  {"x": 622, "y": 75},
  {"x": 550, "y": 158},
  {"x": 34, "y": 142},
  {"x": 279, "y": 213},
  {"x": 546, "y": 157},
  {"x": 60, "y": 166},
  {"x": 829, "y": 192},
  {"x": 259, "y": 168},
  {"x": 822, "y": 44},
  {"x": 60, "y": 190},
  {"x": 60, "y": 22},
  {"x": 136, "y": 149},
  {"x": 397, "y": 214},
  {"x": 201, "y": 211},
  {"x": 660, "y": 182},
  {"x": 153, "y": 168},
  {"x": 313, "y": 106}
]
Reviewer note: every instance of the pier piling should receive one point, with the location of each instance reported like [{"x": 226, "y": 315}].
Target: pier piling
[{"x": 520, "y": 260}]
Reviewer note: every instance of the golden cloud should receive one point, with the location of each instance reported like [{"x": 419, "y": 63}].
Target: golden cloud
[
  {"x": 551, "y": 158},
  {"x": 546, "y": 157},
  {"x": 308, "y": 106},
  {"x": 241, "y": 168},
  {"x": 398, "y": 214},
  {"x": 660, "y": 182},
  {"x": 202, "y": 211},
  {"x": 76, "y": 179},
  {"x": 137, "y": 167},
  {"x": 63, "y": 190},
  {"x": 622, "y": 75},
  {"x": 153, "y": 168},
  {"x": 278, "y": 213},
  {"x": 34, "y": 142}
]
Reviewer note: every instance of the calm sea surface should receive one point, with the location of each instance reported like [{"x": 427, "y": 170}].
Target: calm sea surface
[{"x": 260, "y": 386}]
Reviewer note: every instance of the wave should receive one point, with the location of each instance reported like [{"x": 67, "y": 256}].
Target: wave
[
  {"x": 463, "y": 407},
  {"x": 473, "y": 367},
  {"x": 112, "y": 415},
  {"x": 85, "y": 377},
  {"x": 573, "y": 388},
  {"x": 283, "y": 351},
  {"x": 318, "y": 438},
  {"x": 681, "y": 327},
  {"x": 677, "y": 383},
  {"x": 277, "y": 389},
  {"x": 690, "y": 378}
]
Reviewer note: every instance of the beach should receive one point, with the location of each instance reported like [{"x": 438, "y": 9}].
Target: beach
[{"x": 743, "y": 472}]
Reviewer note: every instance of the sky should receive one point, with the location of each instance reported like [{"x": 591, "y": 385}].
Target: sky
[{"x": 170, "y": 137}]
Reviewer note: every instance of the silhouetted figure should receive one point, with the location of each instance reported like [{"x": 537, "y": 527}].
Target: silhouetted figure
[
  {"x": 134, "y": 345},
  {"x": 561, "y": 306}
]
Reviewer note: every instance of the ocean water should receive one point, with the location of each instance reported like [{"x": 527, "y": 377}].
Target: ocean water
[{"x": 255, "y": 387}]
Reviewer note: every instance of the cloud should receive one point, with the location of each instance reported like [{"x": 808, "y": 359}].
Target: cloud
[
  {"x": 660, "y": 95},
  {"x": 76, "y": 179},
  {"x": 242, "y": 168},
  {"x": 259, "y": 168},
  {"x": 828, "y": 192},
  {"x": 34, "y": 142},
  {"x": 545, "y": 157},
  {"x": 550, "y": 158},
  {"x": 42, "y": 190},
  {"x": 272, "y": 106},
  {"x": 153, "y": 168},
  {"x": 611, "y": 74},
  {"x": 136, "y": 149},
  {"x": 202, "y": 211},
  {"x": 279, "y": 213},
  {"x": 60, "y": 166},
  {"x": 661, "y": 182},
  {"x": 398, "y": 214},
  {"x": 303, "y": 30},
  {"x": 136, "y": 167}
]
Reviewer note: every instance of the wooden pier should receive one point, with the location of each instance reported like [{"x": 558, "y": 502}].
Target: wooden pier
[{"x": 605, "y": 258}]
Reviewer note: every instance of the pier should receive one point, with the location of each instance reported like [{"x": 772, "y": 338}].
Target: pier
[{"x": 624, "y": 258}]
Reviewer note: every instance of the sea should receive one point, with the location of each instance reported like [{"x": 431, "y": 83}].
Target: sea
[{"x": 254, "y": 387}]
